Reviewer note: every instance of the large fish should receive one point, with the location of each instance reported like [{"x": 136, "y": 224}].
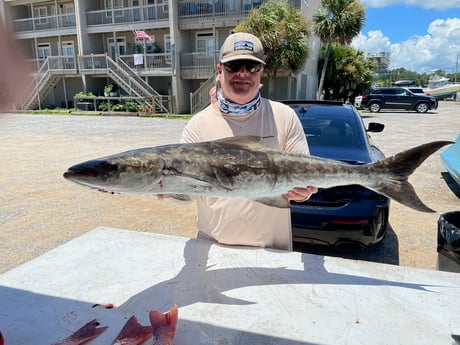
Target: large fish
[{"x": 241, "y": 167}]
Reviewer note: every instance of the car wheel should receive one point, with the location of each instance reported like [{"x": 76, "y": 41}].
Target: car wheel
[
  {"x": 381, "y": 224},
  {"x": 422, "y": 108},
  {"x": 375, "y": 107}
]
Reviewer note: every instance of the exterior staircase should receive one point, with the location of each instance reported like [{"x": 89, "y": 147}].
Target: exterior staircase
[
  {"x": 52, "y": 70},
  {"x": 43, "y": 82},
  {"x": 200, "y": 98},
  {"x": 134, "y": 85}
]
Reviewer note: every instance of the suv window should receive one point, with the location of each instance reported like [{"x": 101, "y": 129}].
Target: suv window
[
  {"x": 389, "y": 91},
  {"x": 401, "y": 92},
  {"x": 416, "y": 90}
]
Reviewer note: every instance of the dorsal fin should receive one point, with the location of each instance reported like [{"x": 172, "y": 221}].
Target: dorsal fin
[
  {"x": 247, "y": 139},
  {"x": 251, "y": 142}
]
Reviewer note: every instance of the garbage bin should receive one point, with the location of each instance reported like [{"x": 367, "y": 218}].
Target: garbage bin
[{"x": 449, "y": 242}]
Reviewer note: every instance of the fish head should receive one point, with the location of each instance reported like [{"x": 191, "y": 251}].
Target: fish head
[{"x": 122, "y": 173}]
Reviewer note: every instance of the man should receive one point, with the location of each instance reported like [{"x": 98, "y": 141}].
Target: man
[{"x": 240, "y": 111}]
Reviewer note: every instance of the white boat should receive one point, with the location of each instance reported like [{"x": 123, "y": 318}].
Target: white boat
[{"x": 442, "y": 87}]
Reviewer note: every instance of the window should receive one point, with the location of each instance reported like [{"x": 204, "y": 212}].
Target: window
[
  {"x": 142, "y": 44},
  {"x": 41, "y": 15},
  {"x": 205, "y": 42},
  {"x": 119, "y": 48},
  {"x": 68, "y": 49},
  {"x": 43, "y": 50},
  {"x": 168, "y": 49},
  {"x": 167, "y": 39},
  {"x": 116, "y": 4},
  {"x": 389, "y": 91}
]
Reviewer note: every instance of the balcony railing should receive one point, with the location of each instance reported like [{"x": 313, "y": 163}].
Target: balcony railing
[
  {"x": 197, "y": 8},
  {"x": 58, "y": 64},
  {"x": 45, "y": 23},
  {"x": 149, "y": 61},
  {"x": 127, "y": 15},
  {"x": 97, "y": 63},
  {"x": 224, "y": 8},
  {"x": 198, "y": 65}
]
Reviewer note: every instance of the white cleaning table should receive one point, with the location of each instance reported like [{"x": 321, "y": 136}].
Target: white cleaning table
[{"x": 226, "y": 295}]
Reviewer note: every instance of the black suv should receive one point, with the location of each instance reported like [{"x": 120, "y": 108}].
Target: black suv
[{"x": 397, "y": 98}]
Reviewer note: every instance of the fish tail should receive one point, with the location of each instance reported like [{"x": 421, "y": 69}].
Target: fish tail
[
  {"x": 164, "y": 325},
  {"x": 396, "y": 171}
]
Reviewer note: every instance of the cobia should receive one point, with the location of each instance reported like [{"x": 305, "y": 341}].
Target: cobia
[{"x": 241, "y": 167}]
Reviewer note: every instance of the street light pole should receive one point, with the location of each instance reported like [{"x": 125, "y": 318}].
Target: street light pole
[{"x": 456, "y": 68}]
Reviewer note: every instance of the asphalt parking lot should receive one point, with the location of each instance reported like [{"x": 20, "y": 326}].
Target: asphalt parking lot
[{"x": 40, "y": 210}]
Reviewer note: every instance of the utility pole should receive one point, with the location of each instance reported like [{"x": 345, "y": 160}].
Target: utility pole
[{"x": 456, "y": 68}]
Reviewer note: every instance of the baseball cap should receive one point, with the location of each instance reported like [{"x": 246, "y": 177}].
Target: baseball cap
[{"x": 242, "y": 46}]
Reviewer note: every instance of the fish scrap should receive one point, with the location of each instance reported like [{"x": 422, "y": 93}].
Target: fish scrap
[
  {"x": 84, "y": 335},
  {"x": 162, "y": 328}
]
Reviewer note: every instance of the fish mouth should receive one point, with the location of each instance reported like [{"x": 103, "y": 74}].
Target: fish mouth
[
  {"x": 72, "y": 173},
  {"x": 90, "y": 171},
  {"x": 81, "y": 173}
]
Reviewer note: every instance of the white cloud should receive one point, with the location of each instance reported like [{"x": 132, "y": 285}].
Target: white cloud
[
  {"x": 436, "y": 50},
  {"x": 438, "y": 5}
]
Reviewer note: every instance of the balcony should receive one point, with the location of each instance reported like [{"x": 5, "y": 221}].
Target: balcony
[
  {"x": 63, "y": 64},
  {"x": 198, "y": 65},
  {"x": 61, "y": 21},
  {"x": 152, "y": 64},
  {"x": 126, "y": 15},
  {"x": 189, "y": 8},
  {"x": 227, "y": 13}
]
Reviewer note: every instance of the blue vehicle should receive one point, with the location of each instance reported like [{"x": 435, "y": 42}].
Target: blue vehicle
[
  {"x": 450, "y": 158},
  {"x": 345, "y": 217}
]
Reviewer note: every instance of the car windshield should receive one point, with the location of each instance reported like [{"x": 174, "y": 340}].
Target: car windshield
[{"x": 330, "y": 131}]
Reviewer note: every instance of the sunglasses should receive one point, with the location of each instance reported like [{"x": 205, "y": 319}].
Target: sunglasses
[{"x": 235, "y": 66}]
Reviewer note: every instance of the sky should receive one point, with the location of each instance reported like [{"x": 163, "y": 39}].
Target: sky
[{"x": 420, "y": 35}]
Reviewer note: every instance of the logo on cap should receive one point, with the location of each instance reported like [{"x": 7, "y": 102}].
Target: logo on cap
[{"x": 243, "y": 45}]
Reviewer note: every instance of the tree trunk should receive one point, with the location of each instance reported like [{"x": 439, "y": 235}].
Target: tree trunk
[
  {"x": 323, "y": 72},
  {"x": 271, "y": 87}
]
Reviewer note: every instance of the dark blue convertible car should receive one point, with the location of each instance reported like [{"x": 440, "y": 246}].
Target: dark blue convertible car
[{"x": 344, "y": 217}]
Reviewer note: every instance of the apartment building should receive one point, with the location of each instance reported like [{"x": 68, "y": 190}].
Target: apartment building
[{"x": 162, "y": 48}]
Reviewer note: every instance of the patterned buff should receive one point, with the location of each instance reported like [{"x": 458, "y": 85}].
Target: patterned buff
[{"x": 228, "y": 107}]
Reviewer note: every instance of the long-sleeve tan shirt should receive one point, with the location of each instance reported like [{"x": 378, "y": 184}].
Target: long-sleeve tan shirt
[{"x": 237, "y": 221}]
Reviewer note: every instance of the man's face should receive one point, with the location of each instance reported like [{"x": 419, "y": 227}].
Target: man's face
[{"x": 240, "y": 80}]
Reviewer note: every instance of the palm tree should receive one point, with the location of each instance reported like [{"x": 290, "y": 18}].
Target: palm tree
[
  {"x": 339, "y": 21},
  {"x": 284, "y": 33},
  {"x": 348, "y": 74}
]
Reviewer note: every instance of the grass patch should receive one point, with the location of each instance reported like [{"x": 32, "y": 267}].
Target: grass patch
[{"x": 73, "y": 111}]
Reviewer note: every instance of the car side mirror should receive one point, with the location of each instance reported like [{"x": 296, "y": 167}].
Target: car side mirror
[{"x": 375, "y": 127}]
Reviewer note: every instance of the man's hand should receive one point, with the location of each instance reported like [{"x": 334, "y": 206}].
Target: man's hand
[{"x": 299, "y": 194}]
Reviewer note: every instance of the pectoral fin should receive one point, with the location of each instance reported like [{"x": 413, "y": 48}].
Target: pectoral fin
[
  {"x": 279, "y": 202},
  {"x": 181, "y": 197}
]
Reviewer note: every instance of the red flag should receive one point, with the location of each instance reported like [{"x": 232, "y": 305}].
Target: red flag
[{"x": 142, "y": 34}]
